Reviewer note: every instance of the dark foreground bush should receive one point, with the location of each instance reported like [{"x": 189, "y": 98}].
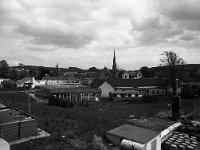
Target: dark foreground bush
[
  {"x": 8, "y": 84},
  {"x": 188, "y": 92}
]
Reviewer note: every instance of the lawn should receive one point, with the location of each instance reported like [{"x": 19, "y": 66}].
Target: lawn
[{"x": 75, "y": 128}]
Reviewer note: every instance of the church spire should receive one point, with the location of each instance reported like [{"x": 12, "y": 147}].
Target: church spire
[{"x": 114, "y": 67}]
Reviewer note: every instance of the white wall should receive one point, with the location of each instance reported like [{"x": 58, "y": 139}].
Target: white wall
[
  {"x": 158, "y": 143},
  {"x": 4, "y": 145},
  {"x": 106, "y": 88}
]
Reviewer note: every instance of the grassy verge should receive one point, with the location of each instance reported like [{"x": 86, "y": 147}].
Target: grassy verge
[{"x": 75, "y": 128}]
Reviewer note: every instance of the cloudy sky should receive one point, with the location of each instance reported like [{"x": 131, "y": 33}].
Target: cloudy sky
[{"x": 84, "y": 33}]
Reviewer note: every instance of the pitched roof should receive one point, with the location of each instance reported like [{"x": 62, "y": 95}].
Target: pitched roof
[
  {"x": 24, "y": 80},
  {"x": 96, "y": 83},
  {"x": 135, "y": 82},
  {"x": 126, "y": 92},
  {"x": 54, "y": 78},
  {"x": 75, "y": 90},
  {"x": 62, "y": 77}
]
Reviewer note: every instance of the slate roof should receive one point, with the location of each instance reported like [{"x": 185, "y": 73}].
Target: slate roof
[
  {"x": 59, "y": 78},
  {"x": 134, "y": 133},
  {"x": 54, "y": 78},
  {"x": 75, "y": 90},
  {"x": 135, "y": 82},
  {"x": 24, "y": 80},
  {"x": 126, "y": 92}
]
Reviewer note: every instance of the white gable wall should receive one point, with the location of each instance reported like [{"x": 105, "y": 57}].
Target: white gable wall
[{"x": 105, "y": 88}]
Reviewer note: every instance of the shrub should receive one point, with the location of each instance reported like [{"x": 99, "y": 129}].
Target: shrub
[
  {"x": 8, "y": 84},
  {"x": 188, "y": 92}
]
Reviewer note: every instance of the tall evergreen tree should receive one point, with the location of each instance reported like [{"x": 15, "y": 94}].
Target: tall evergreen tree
[{"x": 4, "y": 69}]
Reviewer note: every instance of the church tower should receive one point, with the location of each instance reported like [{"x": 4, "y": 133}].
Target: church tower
[{"x": 114, "y": 67}]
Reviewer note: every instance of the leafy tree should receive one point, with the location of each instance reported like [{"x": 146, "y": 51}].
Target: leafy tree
[
  {"x": 20, "y": 64},
  {"x": 4, "y": 69},
  {"x": 23, "y": 74},
  {"x": 42, "y": 72},
  {"x": 55, "y": 71},
  {"x": 93, "y": 69},
  {"x": 33, "y": 72},
  {"x": 173, "y": 69},
  {"x": 14, "y": 75},
  {"x": 145, "y": 71}
]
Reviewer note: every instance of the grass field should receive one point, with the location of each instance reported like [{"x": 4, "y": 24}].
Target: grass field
[{"x": 75, "y": 128}]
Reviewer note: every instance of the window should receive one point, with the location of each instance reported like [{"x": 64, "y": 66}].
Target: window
[
  {"x": 118, "y": 95},
  {"x": 132, "y": 95},
  {"x": 92, "y": 94},
  {"x": 126, "y": 95},
  {"x": 84, "y": 94}
]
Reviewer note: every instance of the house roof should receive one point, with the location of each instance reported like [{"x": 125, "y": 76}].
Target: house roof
[
  {"x": 135, "y": 82},
  {"x": 24, "y": 80},
  {"x": 96, "y": 83},
  {"x": 62, "y": 86},
  {"x": 134, "y": 133},
  {"x": 54, "y": 78},
  {"x": 60, "y": 78},
  {"x": 126, "y": 92},
  {"x": 75, "y": 90}
]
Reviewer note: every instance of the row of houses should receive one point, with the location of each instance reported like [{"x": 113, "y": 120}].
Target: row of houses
[
  {"x": 113, "y": 89},
  {"x": 48, "y": 81},
  {"x": 130, "y": 87},
  {"x": 70, "y": 88},
  {"x": 76, "y": 94}
]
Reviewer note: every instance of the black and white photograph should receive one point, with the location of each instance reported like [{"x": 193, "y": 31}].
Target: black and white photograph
[{"x": 99, "y": 75}]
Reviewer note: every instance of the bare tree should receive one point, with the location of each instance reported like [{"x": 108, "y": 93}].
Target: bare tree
[
  {"x": 174, "y": 67},
  {"x": 170, "y": 58}
]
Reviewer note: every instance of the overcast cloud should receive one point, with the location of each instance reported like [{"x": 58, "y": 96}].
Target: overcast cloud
[{"x": 84, "y": 33}]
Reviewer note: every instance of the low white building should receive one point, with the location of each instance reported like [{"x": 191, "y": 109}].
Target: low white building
[
  {"x": 130, "y": 136},
  {"x": 61, "y": 80},
  {"x": 147, "y": 87},
  {"x": 29, "y": 82}
]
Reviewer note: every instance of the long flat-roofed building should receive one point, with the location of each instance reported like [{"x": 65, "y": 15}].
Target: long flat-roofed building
[{"x": 76, "y": 94}]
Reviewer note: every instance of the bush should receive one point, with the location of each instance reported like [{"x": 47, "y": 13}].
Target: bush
[
  {"x": 61, "y": 102},
  {"x": 98, "y": 144},
  {"x": 150, "y": 99},
  {"x": 8, "y": 84},
  {"x": 189, "y": 92}
]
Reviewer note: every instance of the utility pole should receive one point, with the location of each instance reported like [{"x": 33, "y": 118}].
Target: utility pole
[
  {"x": 176, "y": 104},
  {"x": 29, "y": 103},
  {"x": 194, "y": 105}
]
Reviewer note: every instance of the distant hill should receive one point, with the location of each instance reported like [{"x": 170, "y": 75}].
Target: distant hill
[{"x": 192, "y": 71}]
